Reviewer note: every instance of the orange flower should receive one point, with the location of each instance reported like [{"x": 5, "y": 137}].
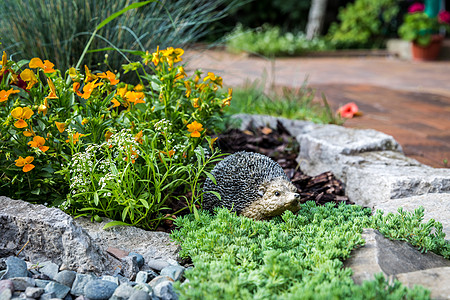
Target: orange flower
[
  {"x": 52, "y": 94},
  {"x": 138, "y": 137},
  {"x": 195, "y": 103},
  {"x": 5, "y": 94},
  {"x": 84, "y": 121},
  {"x": 194, "y": 128},
  {"x": 213, "y": 78},
  {"x": 135, "y": 97},
  {"x": 108, "y": 135},
  {"x": 169, "y": 153},
  {"x": 25, "y": 163},
  {"x": 188, "y": 88},
  {"x": 173, "y": 55},
  {"x": 61, "y": 126},
  {"x": 89, "y": 75},
  {"x": 75, "y": 138},
  {"x": 181, "y": 74},
  {"x": 4, "y": 62},
  {"x": 43, "y": 107},
  {"x": 349, "y": 110},
  {"x": 47, "y": 66},
  {"x": 110, "y": 76},
  {"x": 138, "y": 88},
  {"x": 155, "y": 57},
  {"x": 115, "y": 102},
  {"x": 38, "y": 142},
  {"x": 20, "y": 114},
  {"x": 89, "y": 88},
  {"x": 76, "y": 88},
  {"x": 28, "y": 76},
  {"x": 227, "y": 100},
  {"x": 29, "y": 132}
]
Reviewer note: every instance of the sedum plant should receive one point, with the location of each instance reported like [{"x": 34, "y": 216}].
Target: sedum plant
[
  {"x": 98, "y": 146},
  {"x": 295, "y": 256}
]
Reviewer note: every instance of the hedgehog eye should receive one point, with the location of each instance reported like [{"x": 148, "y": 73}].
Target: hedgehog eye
[{"x": 277, "y": 193}]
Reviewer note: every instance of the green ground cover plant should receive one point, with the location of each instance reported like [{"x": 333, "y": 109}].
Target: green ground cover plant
[
  {"x": 294, "y": 256},
  {"x": 292, "y": 103},
  {"x": 270, "y": 41}
]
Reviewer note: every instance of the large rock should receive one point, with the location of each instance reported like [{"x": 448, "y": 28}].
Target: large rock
[
  {"x": 48, "y": 234},
  {"x": 397, "y": 259}
]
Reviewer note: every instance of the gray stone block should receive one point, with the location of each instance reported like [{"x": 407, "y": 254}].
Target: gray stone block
[{"x": 436, "y": 279}]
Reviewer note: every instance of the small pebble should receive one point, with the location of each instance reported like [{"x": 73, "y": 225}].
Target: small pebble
[
  {"x": 139, "y": 258},
  {"x": 47, "y": 296},
  {"x": 99, "y": 289},
  {"x": 80, "y": 282},
  {"x": 33, "y": 292},
  {"x": 158, "y": 279},
  {"x": 15, "y": 267},
  {"x": 50, "y": 269},
  {"x": 174, "y": 272},
  {"x": 60, "y": 290},
  {"x": 6, "y": 284},
  {"x": 114, "y": 279},
  {"x": 21, "y": 283},
  {"x": 41, "y": 282},
  {"x": 157, "y": 264},
  {"x": 66, "y": 277},
  {"x": 164, "y": 290},
  {"x": 140, "y": 295},
  {"x": 123, "y": 291}
]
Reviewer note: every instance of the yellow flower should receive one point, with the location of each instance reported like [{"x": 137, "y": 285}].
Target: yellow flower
[
  {"x": 52, "y": 94},
  {"x": 5, "y": 94},
  {"x": 47, "y": 66},
  {"x": 155, "y": 56},
  {"x": 195, "y": 103},
  {"x": 194, "y": 128},
  {"x": 21, "y": 114},
  {"x": 213, "y": 78},
  {"x": 227, "y": 100},
  {"x": 85, "y": 121},
  {"x": 188, "y": 88},
  {"x": 29, "y": 132},
  {"x": 38, "y": 142},
  {"x": 135, "y": 97},
  {"x": 173, "y": 55},
  {"x": 138, "y": 137},
  {"x": 75, "y": 138},
  {"x": 115, "y": 102},
  {"x": 25, "y": 163},
  {"x": 138, "y": 88},
  {"x": 73, "y": 73},
  {"x": 89, "y": 88},
  {"x": 43, "y": 107},
  {"x": 181, "y": 74},
  {"x": 108, "y": 135},
  {"x": 89, "y": 75},
  {"x": 110, "y": 76},
  {"x": 61, "y": 126},
  {"x": 4, "y": 62},
  {"x": 28, "y": 76}
]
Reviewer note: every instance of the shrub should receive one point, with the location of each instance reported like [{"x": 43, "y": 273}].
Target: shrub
[
  {"x": 289, "y": 257},
  {"x": 118, "y": 150},
  {"x": 59, "y": 29},
  {"x": 364, "y": 24},
  {"x": 269, "y": 41}
]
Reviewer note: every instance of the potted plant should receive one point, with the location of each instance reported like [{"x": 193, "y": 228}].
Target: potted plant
[{"x": 424, "y": 31}]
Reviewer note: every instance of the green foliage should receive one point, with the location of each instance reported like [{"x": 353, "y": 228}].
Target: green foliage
[
  {"x": 289, "y": 257},
  {"x": 269, "y": 41},
  {"x": 59, "y": 29},
  {"x": 363, "y": 24},
  {"x": 120, "y": 150},
  {"x": 296, "y": 104}
]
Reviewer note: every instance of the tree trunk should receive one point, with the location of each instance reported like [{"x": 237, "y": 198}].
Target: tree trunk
[{"x": 315, "y": 18}]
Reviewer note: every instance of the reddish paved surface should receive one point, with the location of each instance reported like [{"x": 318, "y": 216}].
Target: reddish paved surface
[{"x": 408, "y": 100}]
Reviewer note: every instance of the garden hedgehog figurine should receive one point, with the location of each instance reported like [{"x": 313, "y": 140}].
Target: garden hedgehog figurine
[{"x": 251, "y": 184}]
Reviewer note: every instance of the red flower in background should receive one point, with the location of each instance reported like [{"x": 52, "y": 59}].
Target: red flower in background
[
  {"x": 349, "y": 110},
  {"x": 444, "y": 17},
  {"x": 416, "y": 7}
]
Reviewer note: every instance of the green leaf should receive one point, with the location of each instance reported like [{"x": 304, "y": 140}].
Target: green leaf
[
  {"x": 119, "y": 13},
  {"x": 96, "y": 200},
  {"x": 210, "y": 176},
  {"x": 115, "y": 223}
]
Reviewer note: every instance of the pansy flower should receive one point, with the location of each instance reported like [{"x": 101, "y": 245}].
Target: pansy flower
[
  {"x": 110, "y": 76},
  {"x": 5, "y": 94},
  {"x": 61, "y": 126},
  {"x": 46, "y": 66},
  {"x": 38, "y": 142},
  {"x": 89, "y": 88},
  {"x": 20, "y": 114},
  {"x": 135, "y": 97},
  {"x": 29, "y": 76},
  {"x": 75, "y": 138},
  {"x": 195, "y": 128},
  {"x": 26, "y": 163}
]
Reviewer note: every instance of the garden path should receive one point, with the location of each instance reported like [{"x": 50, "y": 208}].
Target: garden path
[{"x": 408, "y": 100}]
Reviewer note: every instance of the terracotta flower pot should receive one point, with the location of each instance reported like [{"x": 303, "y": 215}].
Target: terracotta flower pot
[{"x": 429, "y": 52}]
